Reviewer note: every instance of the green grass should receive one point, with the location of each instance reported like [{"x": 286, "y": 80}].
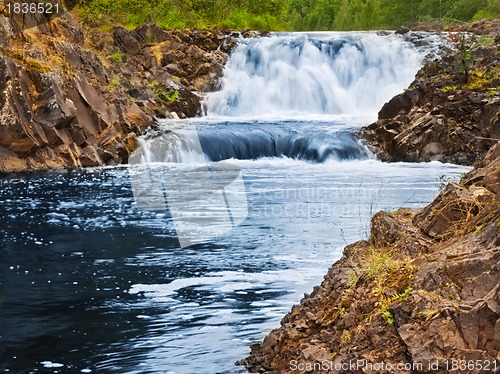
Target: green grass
[
  {"x": 115, "y": 81},
  {"x": 117, "y": 56},
  {"x": 167, "y": 97},
  {"x": 385, "y": 271},
  {"x": 18, "y": 55},
  {"x": 38, "y": 65}
]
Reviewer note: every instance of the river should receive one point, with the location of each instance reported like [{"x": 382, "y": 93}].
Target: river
[{"x": 97, "y": 275}]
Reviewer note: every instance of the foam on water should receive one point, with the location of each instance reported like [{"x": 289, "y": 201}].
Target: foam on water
[{"x": 224, "y": 282}]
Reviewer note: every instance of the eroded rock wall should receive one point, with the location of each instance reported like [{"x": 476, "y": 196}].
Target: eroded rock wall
[{"x": 72, "y": 97}]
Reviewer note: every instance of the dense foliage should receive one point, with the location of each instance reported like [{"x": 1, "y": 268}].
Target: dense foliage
[{"x": 285, "y": 14}]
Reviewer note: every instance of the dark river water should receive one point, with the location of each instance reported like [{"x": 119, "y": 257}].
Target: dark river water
[
  {"x": 94, "y": 279},
  {"x": 89, "y": 281}
]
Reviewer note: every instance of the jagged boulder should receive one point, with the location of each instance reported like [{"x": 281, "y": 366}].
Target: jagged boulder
[
  {"x": 488, "y": 174},
  {"x": 451, "y": 208},
  {"x": 126, "y": 41}
]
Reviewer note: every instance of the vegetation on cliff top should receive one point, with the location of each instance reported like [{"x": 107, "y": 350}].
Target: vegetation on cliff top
[{"x": 284, "y": 14}]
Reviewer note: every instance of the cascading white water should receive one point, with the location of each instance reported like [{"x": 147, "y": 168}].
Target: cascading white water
[
  {"x": 180, "y": 144},
  {"x": 334, "y": 73}
]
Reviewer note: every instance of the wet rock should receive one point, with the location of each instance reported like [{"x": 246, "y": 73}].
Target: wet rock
[
  {"x": 402, "y": 30},
  {"x": 189, "y": 105},
  {"x": 228, "y": 44}
]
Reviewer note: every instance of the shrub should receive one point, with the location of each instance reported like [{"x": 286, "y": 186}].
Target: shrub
[
  {"x": 168, "y": 97},
  {"x": 117, "y": 56}
]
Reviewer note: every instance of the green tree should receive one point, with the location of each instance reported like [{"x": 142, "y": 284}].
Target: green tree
[
  {"x": 492, "y": 10},
  {"x": 343, "y": 20},
  {"x": 283, "y": 14},
  {"x": 464, "y": 10}
]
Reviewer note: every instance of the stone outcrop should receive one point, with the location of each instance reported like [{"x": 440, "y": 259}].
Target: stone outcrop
[
  {"x": 72, "y": 97},
  {"x": 451, "y": 112},
  {"x": 423, "y": 291}
]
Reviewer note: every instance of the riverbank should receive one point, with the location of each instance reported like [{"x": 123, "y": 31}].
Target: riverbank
[
  {"x": 423, "y": 291},
  {"x": 74, "y": 96}
]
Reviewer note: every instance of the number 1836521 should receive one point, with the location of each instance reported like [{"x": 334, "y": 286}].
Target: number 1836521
[
  {"x": 31, "y": 8},
  {"x": 471, "y": 365}
]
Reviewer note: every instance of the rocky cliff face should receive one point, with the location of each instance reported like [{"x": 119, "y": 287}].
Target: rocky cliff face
[
  {"x": 73, "y": 97},
  {"x": 422, "y": 295},
  {"x": 451, "y": 112}
]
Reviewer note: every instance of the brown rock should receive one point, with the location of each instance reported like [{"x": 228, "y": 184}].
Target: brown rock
[
  {"x": 176, "y": 70},
  {"x": 384, "y": 229},
  {"x": 195, "y": 53},
  {"x": 228, "y": 43},
  {"x": 400, "y": 104},
  {"x": 126, "y": 41},
  {"x": 438, "y": 117},
  {"x": 150, "y": 34},
  {"x": 10, "y": 162},
  {"x": 77, "y": 108},
  {"x": 52, "y": 108},
  {"x": 451, "y": 207}
]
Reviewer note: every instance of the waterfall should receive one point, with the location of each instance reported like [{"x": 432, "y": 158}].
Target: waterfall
[
  {"x": 193, "y": 145},
  {"x": 296, "y": 95},
  {"x": 334, "y": 73},
  {"x": 178, "y": 144}
]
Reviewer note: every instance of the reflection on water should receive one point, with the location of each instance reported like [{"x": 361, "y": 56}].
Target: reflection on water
[{"x": 93, "y": 283}]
